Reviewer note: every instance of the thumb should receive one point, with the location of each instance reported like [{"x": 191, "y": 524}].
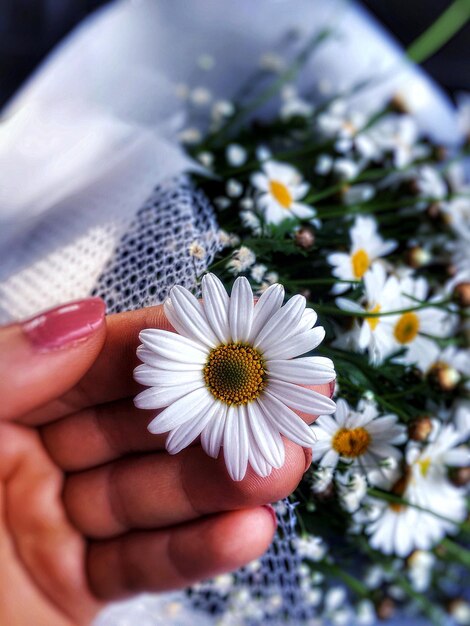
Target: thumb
[{"x": 42, "y": 358}]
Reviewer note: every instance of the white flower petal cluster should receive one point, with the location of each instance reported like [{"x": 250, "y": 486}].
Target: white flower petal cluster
[
  {"x": 435, "y": 505},
  {"x": 280, "y": 188},
  {"x": 229, "y": 374},
  {"x": 367, "y": 246},
  {"x": 362, "y": 437},
  {"x": 412, "y": 329}
]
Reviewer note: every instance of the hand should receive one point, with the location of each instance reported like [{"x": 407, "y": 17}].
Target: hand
[{"x": 92, "y": 506}]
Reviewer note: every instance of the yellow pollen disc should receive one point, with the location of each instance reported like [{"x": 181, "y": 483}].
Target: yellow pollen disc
[
  {"x": 280, "y": 193},
  {"x": 235, "y": 373},
  {"x": 351, "y": 442},
  {"x": 373, "y": 321},
  {"x": 407, "y": 327},
  {"x": 424, "y": 466},
  {"x": 360, "y": 263}
]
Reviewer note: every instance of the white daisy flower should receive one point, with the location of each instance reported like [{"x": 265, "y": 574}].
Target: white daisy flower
[
  {"x": 401, "y": 528},
  {"x": 430, "y": 183},
  {"x": 280, "y": 188},
  {"x": 352, "y": 489},
  {"x": 339, "y": 121},
  {"x": 242, "y": 259},
  {"x": 229, "y": 374},
  {"x": 366, "y": 247},
  {"x": 361, "y": 437},
  {"x": 413, "y": 329},
  {"x": 380, "y": 295}
]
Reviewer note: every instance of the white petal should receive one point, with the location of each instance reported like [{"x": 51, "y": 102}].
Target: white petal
[
  {"x": 149, "y": 357},
  {"x": 179, "y": 412},
  {"x": 216, "y": 304},
  {"x": 236, "y": 443},
  {"x": 158, "y": 397},
  {"x": 301, "y": 399},
  {"x": 191, "y": 315},
  {"x": 270, "y": 302},
  {"x": 307, "y": 321},
  {"x": 240, "y": 312},
  {"x": 303, "y": 371},
  {"x": 256, "y": 459},
  {"x": 280, "y": 323},
  {"x": 286, "y": 421},
  {"x": 213, "y": 434},
  {"x": 153, "y": 377},
  {"x": 330, "y": 459},
  {"x": 182, "y": 436},
  {"x": 267, "y": 438},
  {"x": 296, "y": 345},
  {"x": 173, "y": 346}
]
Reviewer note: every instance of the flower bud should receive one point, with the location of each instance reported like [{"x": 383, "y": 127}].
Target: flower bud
[
  {"x": 420, "y": 429},
  {"x": 305, "y": 237},
  {"x": 462, "y": 291},
  {"x": 444, "y": 376},
  {"x": 398, "y": 104},
  {"x": 385, "y": 608},
  {"x": 460, "y": 476},
  {"x": 417, "y": 257}
]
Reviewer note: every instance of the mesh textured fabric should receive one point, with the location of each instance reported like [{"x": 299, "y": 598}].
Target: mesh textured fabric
[
  {"x": 151, "y": 257},
  {"x": 153, "y": 254}
]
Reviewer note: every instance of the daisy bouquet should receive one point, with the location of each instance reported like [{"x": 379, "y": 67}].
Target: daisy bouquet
[{"x": 365, "y": 223}]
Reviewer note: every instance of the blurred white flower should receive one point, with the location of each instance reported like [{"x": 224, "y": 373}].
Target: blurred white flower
[
  {"x": 280, "y": 188},
  {"x": 366, "y": 247},
  {"x": 197, "y": 251},
  {"x": 352, "y": 488},
  {"x": 380, "y": 294},
  {"x": 234, "y": 188},
  {"x": 258, "y": 271},
  {"x": 420, "y": 565},
  {"x": 251, "y": 220},
  {"x": 242, "y": 259},
  {"x": 457, "y": 214},
  {"x": 311, "y": 547},
  {"x": 236, "y": 155}
]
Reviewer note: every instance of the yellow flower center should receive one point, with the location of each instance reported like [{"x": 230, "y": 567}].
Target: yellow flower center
[
  {"x": 373, "y": 321},
  {"x": 235, "y": 373},
  {"x": 280, "y": 193},
  {"x": 351, "y": 442},
  {"x": 424, "y": 466},
  {"x": 360, "y": 263},
  {"x": 407, "y": 327}
]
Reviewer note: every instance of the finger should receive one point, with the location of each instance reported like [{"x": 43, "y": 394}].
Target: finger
[
  {"x": 46, "y": 356},
  {"x": 110, "y": 378},
  {"x": 109, "y": 431},
  {"x": 105, "y": 432},
  {"x": 177, "y": 557},
  {"x": 158, "y": 490}
]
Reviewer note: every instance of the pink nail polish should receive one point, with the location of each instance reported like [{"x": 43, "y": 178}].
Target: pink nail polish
[
  {"x": 332, "y": 387},
  {"x": 65, "y": 325},
  {"x": 272, "y": 512}
]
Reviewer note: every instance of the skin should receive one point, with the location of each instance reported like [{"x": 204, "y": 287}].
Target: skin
[{"x": 92, "y": 508}]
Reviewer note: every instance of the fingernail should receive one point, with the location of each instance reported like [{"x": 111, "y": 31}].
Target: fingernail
[
  {"x": 272, "y": 512},
  {"x": 332, "y": 387},
  {"x": 308, "y": 458},
  {"x": 65, "y": 325}
]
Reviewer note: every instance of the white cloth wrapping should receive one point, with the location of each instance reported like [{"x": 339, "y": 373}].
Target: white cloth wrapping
[{"x": 86, "y": 140}]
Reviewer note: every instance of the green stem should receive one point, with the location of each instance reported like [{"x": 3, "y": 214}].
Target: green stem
[{"x": 440, "y": 32}]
